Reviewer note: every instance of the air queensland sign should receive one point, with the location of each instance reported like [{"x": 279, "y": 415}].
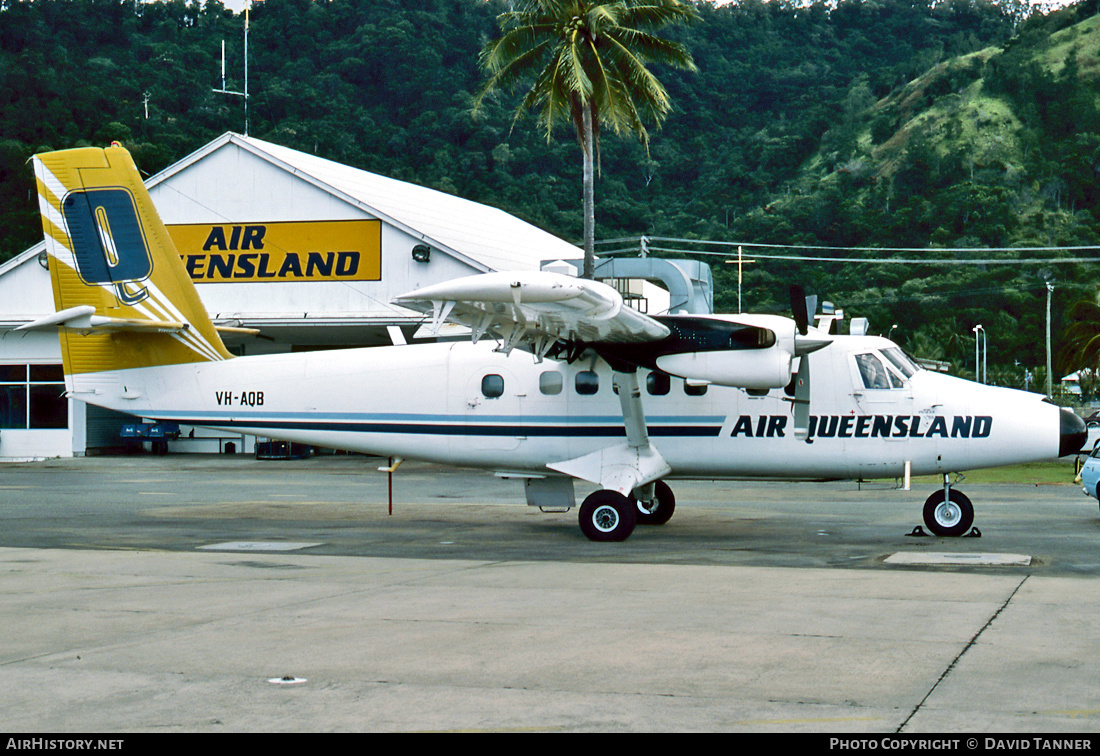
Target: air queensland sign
[{"x": 280, "y": 252}]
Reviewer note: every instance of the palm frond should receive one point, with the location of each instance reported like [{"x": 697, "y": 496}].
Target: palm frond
[
  {"x": 1081, "y": 338},
  {"x": 652, "y": 14}
]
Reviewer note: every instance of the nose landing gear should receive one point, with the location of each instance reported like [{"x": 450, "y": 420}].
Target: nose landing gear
[{"x": 948, "y": 512}]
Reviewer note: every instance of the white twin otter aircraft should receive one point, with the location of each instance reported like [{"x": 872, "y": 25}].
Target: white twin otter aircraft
[{"x": 561, "y": 380}]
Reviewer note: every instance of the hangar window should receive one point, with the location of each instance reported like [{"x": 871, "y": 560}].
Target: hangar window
[
  {"x": 33, "y": 396},
  {"x": 492, "y": 386},
  {"x": 657, "y": 384},
  {"x": 587, "y": 382},
  {"x": 551, "y": 382}
]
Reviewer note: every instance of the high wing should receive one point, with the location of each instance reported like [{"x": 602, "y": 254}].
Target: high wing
[
  {"x": 535, "y": 310},
  {"x": 543, "y": 312}
]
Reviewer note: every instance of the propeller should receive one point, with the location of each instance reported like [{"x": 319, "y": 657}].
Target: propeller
[{"x": 803, "y": 309}]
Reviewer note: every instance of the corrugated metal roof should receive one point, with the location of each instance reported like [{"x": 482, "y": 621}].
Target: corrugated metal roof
[{"x": 485, "y": 234}]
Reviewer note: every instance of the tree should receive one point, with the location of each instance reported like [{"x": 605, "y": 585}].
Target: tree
[
  {"x": 588, "y": 59},
  {"x": 1081, "y": 340}
]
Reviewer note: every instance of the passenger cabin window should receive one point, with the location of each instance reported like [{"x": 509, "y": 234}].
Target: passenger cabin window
[
  {"x": 697, "y": 389},
  {"x": 876, "y": 375},
  {"x": 551, "y": 382},
  {"x": 657, "y": 384},
  {"x": 492, "y": 386},
  {"x": 587, "y": 382}
]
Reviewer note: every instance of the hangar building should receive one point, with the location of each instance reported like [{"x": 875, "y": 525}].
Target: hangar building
[{"x": 309, "y": 251}]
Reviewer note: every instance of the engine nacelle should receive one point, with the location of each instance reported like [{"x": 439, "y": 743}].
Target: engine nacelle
[
  {"x": 751, "y": 369},
  {"x": 754, "y": 352}
]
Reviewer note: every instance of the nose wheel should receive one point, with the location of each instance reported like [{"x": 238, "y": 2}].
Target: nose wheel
[{"x": 948, "y": 513}]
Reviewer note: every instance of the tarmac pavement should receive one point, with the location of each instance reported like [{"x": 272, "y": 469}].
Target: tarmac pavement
[{"x": 175, "y": 595}]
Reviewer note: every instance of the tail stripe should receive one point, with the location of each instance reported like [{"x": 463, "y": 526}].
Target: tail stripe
[
  {"x": 50, "y": 182},
  {"x": 50, "y": 193},
  {"x": 168, "y": 311}
]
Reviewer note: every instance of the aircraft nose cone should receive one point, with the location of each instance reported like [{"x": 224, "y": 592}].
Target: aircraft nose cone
[{"x": 1073, "y": 433}]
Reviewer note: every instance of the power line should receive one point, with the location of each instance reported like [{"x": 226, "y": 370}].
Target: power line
[
  {"x": 854, "y": 297},
  {"x": 645, "y": 247}
]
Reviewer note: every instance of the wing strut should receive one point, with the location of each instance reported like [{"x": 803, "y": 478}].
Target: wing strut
[
  {"x": 626, "y": 466},
  {"x": 630, "y": 400}
]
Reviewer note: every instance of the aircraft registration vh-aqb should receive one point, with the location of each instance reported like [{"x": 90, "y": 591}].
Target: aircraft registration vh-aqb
[{"x": 560, "y": 381}]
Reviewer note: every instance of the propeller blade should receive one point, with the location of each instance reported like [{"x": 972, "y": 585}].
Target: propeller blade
[
  {"x": 802, "y": 399},
  {"x": 799, "y": 309}
]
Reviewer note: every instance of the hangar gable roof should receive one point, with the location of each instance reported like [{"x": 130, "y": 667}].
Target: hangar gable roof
[{"x": 485, "y": 236}]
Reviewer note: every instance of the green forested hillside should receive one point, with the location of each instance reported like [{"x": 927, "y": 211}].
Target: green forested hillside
[
  {"x": 997, "y": 148},
  {"x": 827, "y": 124}
]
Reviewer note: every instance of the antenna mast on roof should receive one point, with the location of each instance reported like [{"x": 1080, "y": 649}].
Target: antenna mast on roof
[{"x": 243, "y": 94}]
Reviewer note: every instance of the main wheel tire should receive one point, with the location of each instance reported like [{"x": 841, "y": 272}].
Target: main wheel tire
[
  {"x": 608, "y": 516},
  {"x": 948, "y": 517},
  {"x": 666, "y": 505}
]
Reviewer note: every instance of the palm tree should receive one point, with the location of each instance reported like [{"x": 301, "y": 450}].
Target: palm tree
[
  {"x": 587, "y": 60},
  {"x": 1081, "y": 339}
]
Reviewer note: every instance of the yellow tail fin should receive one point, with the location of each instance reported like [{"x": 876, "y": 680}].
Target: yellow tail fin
[{"x": 123, "y": 297}]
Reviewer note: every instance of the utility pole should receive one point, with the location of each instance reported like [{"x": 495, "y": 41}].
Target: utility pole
[
  {"x": 1050, "y": 383},
  {"x": 243, "y": 94},
  {"x": 740, "y": 276},
  {"x": 981, "y": 373}
]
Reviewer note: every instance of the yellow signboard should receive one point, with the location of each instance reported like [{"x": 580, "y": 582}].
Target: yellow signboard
[{"x": 280, "y": 252}]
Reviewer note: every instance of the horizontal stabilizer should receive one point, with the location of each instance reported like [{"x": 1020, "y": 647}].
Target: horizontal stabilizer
[
  {"x": 237, "y": 330},
  {"x": 83, "y": 318}
]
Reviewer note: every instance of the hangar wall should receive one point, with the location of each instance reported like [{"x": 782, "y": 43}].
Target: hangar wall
[{"x": 25, "y": 294}]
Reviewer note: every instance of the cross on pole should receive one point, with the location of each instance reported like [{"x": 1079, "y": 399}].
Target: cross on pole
[{"x": 740, "y": 274}]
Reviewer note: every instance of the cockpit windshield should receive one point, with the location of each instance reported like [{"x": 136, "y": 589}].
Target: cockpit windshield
[{"x": 901, "y": 361}]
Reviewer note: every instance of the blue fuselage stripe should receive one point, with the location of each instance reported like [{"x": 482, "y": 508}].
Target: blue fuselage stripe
[{"x": 447, "y": 429}]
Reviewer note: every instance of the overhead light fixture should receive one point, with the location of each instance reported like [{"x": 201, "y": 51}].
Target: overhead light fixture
[{"x": 422, "y": 253}]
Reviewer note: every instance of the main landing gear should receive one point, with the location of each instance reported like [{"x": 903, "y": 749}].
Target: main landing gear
[
  {"x": 948, "y": 512},
  {"x": 609, "y": 516}
]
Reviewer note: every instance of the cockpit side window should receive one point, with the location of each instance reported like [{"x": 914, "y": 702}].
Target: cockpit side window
[{"x": 872, "y": 371}]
